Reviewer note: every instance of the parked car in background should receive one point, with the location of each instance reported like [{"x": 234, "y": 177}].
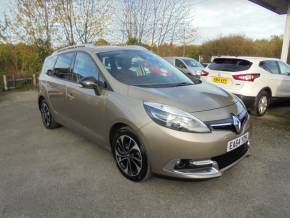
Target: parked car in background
[
  {"x": 148, "y": 113},
  {"x": 256, "y": 80},
  {"x": 205, "y": 64},
  {"x": 188, "y": 66}
]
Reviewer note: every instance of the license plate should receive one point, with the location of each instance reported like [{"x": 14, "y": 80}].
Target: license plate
[
  {"x": 220, "y": 80},
  {"x": 235, "y": 143}
]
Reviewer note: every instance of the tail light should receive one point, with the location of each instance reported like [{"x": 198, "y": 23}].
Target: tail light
[
  {"x": 204, "y": 73},
  {"x": 247, "y": 77}
]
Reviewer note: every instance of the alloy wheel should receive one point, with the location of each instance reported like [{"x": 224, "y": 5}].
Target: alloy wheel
[
  {"x": 45, "y": 114},
  {"x": 128, "y": 155},
  {"x": 263, "y": 104}
]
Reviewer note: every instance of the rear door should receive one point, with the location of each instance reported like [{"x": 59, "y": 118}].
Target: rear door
[
  {"x": 274, "y": 77},
  {"x": 285, "y": 79},
  {"x": 56, "y": 88},
  {"x": 221, "y": 72}
]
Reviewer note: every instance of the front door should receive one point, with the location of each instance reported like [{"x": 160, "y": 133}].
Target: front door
[
  {"x": 85, "y": 108},
  {"x": 285, "y": 79}
]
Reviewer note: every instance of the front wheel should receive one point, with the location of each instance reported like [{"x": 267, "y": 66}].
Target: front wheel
[
  {"x": 130, "y": 156},
  {"x": 262, "y": 103}
]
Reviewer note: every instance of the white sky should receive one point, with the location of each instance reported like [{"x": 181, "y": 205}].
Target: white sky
[{"x": 214, "y": 18}]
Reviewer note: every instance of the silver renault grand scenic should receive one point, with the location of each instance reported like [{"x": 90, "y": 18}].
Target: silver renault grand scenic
[{"x": 144, "y": 110}]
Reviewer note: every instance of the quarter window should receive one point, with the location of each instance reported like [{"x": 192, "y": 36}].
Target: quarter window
[
  {"x": 63, "y": 65},
  {"x": 84, "y": 67},
  {"x": 270, "y": 66},
  {"x": 48, "y": 65}
]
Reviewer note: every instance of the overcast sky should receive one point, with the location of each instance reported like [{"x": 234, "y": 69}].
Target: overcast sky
[{"x": 214, "y": 18}]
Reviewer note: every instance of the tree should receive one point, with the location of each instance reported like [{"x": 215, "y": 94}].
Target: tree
[
  {"x": 155, "y": 21},
  {"x": 82, "y": 21},
  {"x": 101, "y": 42},
  {"x": 30, "y": 21},
  {"x": 58, "y": 21}
]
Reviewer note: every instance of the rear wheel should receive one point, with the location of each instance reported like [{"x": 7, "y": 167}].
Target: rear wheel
[
  {"x": 130, "y": 156},
  {"x": 262, "y": 103},
  {"x": 47, "y": 118}
]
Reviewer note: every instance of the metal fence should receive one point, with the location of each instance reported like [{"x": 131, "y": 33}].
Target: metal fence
[
  {"x": 18, "y": 83},
  {"x": 9, "y": 83}
]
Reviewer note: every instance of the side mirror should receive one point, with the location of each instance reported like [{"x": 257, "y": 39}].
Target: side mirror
[
  {"x": 102, "y": 84},
  {"x": 90, "y": 83}
]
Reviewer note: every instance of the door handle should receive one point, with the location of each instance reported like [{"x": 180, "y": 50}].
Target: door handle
[{"x": 70, "y": 96}]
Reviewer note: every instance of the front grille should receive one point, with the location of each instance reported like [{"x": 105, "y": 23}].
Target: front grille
[
  {"x": 227, "y": 124},
  {"x": 230, "y": 157}
]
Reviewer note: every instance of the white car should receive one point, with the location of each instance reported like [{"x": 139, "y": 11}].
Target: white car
[
  {"x": 186, "y": 65},
  {"x": 256, "y": 80}
]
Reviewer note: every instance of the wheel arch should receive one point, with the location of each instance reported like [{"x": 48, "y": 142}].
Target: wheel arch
[
  {"x": 40, "y": 98},
  {"x": 114, "y": 128},
  {"x": 267, "y": 89}
]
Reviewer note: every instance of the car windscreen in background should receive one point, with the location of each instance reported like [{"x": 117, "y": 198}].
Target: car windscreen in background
[{"x": 230, "y": 64}]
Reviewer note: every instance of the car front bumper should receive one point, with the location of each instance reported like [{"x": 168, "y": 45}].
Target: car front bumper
[
  {"x": 207, "y": 168},
  {"x": 208, "y": 151}
]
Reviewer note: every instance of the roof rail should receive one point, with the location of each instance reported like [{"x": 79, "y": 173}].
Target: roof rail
[
  {"x": 74, "y": 46},
  {"x": 137, "y": 46}
]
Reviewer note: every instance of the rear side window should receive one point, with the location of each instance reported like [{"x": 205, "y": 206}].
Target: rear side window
[
  {"x": 284, "y": 68},
  {"x": 270, "y": 66},
  {"x": 63, "y": 65},
  {"x": 230, "y": 64},
  {"x": 48, "y": 65}
]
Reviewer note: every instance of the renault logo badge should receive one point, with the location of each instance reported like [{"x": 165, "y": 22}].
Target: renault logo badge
[{"x": 237, "y": 124}]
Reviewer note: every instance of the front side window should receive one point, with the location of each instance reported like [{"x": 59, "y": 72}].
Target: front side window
[
  {"x": 63, "y": 65},
  {"x": 192, "y": 63},
  {"x": 84, "y": 67},
  {"x": 142, "y": 68},
  {"x": 270, "y": 66},
  {"x": 180, "y": 64},
  {"x": 284, "y": 68}
]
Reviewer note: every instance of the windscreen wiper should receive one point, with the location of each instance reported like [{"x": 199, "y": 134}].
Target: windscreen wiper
[{"x": 183, "y": 84}]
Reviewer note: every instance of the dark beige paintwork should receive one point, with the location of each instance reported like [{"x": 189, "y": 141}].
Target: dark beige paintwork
[{"x": 95, "y": 115}]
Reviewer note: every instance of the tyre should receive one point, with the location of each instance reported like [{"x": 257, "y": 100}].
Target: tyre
[
  {"x": 262, "y": 103},
  {"x": 46, "y": 116},
  {"x": 130, "y": 155}
]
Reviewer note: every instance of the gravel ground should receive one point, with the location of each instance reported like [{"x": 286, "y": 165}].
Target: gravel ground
[{"x": 56, "y": 173}]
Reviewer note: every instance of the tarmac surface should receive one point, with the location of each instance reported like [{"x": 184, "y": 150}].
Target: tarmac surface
[{"x": 57, "y": 173}]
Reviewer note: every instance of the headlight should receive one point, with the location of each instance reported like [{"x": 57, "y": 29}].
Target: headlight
[
  {"x": 174, "y": 118},
  {"x": 240, "y": 101}
]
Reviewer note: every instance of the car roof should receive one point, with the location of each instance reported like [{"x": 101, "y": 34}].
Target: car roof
[
  {"x": 178, "y": 57},
  {"x": 97, "y": 49},
  {"x": 248, "y": 58}
]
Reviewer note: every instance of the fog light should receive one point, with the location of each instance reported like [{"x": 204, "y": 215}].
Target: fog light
[{"x": 192, "y": 164}]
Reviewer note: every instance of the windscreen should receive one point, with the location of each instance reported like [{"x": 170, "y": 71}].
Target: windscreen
[
  {"x": 142, "y": 68},
  {"x": 192, "y": 63},
  {"x": 230, "y": 64}
]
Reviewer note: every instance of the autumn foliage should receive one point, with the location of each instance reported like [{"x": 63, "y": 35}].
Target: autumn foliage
[{"x": 21, "y": 60}]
